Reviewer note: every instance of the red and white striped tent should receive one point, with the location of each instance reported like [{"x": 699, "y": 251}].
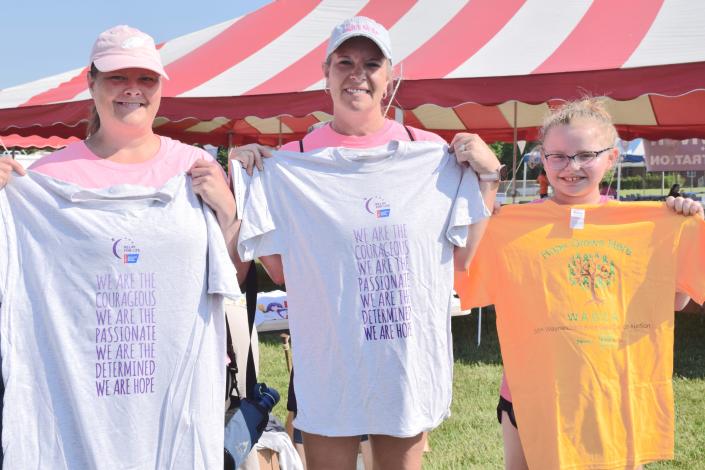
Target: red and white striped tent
[{"x": 485, "y": 65}]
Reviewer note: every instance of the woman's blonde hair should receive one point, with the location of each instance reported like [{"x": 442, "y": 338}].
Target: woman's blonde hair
[{"x": 591, "y": 108}]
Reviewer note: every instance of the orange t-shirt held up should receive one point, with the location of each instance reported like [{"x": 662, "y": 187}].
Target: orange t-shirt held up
[{"x": 585, "y": 319}]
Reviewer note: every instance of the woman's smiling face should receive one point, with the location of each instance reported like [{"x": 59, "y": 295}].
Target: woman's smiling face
[
  {"x": 358, "y": 75},
  {"x": 126, "y": 97}
]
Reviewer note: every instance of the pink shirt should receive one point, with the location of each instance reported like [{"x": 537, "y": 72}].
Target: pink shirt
[
  {"x": 504, "y": 388},
  {"x": 325, "y": 136},
  {"x": 78, "y": 165}
]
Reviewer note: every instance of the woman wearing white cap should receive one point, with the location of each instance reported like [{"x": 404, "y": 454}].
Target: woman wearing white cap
[
  {"x": 140, "y": 390},
  {"x": 395, "y": 390}
]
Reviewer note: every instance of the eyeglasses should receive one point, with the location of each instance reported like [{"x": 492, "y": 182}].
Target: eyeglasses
[{"x": 558, "y": 161}]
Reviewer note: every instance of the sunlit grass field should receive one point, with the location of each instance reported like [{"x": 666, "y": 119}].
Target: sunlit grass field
[{"x": 471, "y": 437}]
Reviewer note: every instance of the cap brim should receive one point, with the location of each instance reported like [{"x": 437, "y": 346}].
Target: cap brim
[
  {"x": 333, "y": 47},
  {"x": 112, "y": 63}
]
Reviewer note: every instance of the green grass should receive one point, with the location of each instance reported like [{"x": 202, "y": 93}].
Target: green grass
[
  {"x": 471, "y": 437},
  {"x": 272, "y": 369}
]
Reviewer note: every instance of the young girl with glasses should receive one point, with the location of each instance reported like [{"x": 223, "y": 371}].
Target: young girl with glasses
[{"x": 584, "y": 289}]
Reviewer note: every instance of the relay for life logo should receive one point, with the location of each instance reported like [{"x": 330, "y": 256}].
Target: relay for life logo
[
  {"x": 126, "y": 250},
  {"x": 377, "y": 206}
]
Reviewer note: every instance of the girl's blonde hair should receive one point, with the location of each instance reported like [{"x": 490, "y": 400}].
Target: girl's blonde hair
[{"x": 592, "y": 108}]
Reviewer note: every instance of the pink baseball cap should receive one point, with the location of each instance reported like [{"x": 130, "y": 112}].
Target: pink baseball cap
[
  {"x": 123, "y": 47},
  {"x": 360, "y": 26}
]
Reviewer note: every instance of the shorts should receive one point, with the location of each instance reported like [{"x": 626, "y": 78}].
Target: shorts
[
  {"x": 291, "y": 396},
  {"x": 506, "y": 406},
  {"x": 299, "y": 437}
]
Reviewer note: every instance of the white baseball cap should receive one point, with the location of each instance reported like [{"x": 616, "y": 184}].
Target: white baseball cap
[
  {"x": 123, "y": 47},
  {"x": 360, "y": 26}
]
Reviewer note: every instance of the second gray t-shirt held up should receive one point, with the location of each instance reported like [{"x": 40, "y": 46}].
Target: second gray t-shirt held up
[{"x": 366, "y": 238}]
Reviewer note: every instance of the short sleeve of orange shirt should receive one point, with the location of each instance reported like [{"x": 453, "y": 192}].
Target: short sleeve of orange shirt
[{"x": 690, "y": 253}]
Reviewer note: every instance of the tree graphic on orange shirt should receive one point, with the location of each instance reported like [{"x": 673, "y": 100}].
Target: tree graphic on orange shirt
[{"x": 590, "y": 272}]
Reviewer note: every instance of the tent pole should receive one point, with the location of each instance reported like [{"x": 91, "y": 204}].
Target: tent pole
[
  {"x": 280, "y": 133},
  {"x": 619, "y": 177},
  {"x": 479, "y": 326},
  {"x": 399, "y": 115},
  {"x": 514, "y": 157},
  {"x": 230, "y": 145},
  {"x": 663, "y": 183}
]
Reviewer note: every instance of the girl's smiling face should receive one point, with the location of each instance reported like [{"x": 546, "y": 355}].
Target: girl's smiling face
[{"x": 577, "y": 183}]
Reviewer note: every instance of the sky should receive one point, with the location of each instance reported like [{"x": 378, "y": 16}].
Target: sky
[{"x": 40, "y": 38}]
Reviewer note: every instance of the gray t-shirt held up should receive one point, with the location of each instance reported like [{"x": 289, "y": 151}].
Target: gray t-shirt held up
[
  {"x": 366, "y": 239},
  {"x": 112, "y": 326}
]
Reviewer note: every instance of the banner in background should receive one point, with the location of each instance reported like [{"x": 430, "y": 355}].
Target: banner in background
[{"x": 674, "y": 155}]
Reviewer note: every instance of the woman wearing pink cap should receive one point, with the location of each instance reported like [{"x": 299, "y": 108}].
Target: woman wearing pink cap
[
  {"x": 394, "y": 391},
  {"x": 125, "y": 82},
  {"x": 134, "y": 383}
]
